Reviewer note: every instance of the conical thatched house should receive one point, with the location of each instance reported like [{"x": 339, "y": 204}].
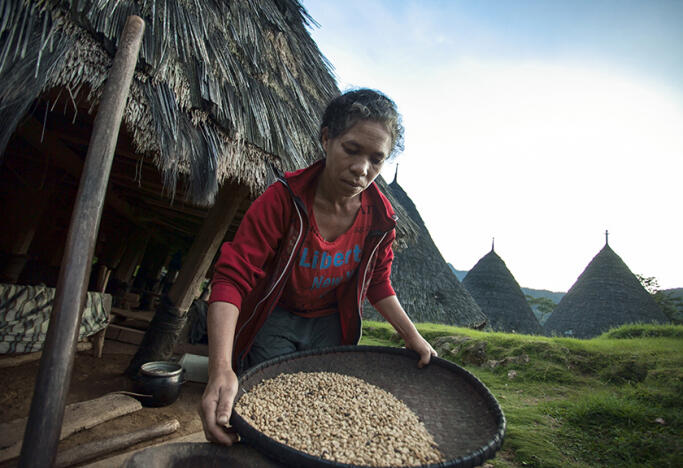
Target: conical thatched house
[
  {"x": 606, "y": 295},
  {"x": 498, "y": 294},
  {"x": 221, "y": 91},
  {"x": 424, "y": 283}
]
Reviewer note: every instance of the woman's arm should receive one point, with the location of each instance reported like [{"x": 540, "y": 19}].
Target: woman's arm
[
  {"x": 239, "y": 267},
  {"x": 393, "y": 312},
  {"x": 221, "y": 388}
]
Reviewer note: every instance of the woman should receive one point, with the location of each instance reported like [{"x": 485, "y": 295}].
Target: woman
[{"x": 306, "y": 255}]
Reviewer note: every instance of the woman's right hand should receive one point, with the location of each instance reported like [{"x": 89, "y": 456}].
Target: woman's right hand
[{"x": 216, "y": 407}]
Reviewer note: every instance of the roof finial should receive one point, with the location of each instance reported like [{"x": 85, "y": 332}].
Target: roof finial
[
  {"x": 606, "y": 237},
  {"x": 493, "y": 243}
]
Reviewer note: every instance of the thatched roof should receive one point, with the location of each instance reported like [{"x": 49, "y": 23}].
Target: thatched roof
[
  {"x": 424, "y": 283},
  {"x": 606, "y": 295},
  {"x": 221, "y": 88},
  {"x": 498, "y": 294}
]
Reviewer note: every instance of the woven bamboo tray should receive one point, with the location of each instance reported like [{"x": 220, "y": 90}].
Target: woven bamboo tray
[{"x": 455, "y": 407}]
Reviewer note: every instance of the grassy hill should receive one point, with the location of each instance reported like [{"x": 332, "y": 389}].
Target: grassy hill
[
  {"x": 675, "y": 292},
  {"x": 612, "y": 401}
]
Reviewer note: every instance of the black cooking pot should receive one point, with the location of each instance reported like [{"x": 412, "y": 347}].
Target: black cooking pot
[{"x": 158, "y": 383}]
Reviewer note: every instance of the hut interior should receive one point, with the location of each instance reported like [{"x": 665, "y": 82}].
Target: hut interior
[{"x": 145, "y": 231}]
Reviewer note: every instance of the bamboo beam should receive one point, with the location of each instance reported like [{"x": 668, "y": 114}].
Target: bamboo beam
[{"x": 54, "y": 374}]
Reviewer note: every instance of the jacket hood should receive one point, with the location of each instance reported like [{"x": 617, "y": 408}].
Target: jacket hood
[{"x": 301, "y": 180}]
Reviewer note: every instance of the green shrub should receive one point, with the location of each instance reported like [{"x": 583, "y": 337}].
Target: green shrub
[
  {"x": 626, "y": 371},
  {"x": 644, "y": 331}
]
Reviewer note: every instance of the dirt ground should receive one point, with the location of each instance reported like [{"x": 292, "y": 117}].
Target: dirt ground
[{"x": 94, "y": 377}]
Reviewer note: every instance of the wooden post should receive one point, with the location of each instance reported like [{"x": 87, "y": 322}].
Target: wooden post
[
  {"x": 132, "y": 256},
  {"x": 103, "y": 273},
  {"x": 157, "y": 343},
  {"x": 151, "y": 262},
  {"x": 54, "y": 374}
]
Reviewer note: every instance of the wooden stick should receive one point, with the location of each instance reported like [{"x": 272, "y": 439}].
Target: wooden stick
[
  {"x": 77, "y": 417},
  {"x": 90, "y": 450},
  {"x": 54, "y": 373},
  {"x": 122, "y": 458}
]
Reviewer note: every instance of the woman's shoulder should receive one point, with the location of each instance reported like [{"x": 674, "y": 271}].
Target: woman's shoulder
[
  {"x": 379, "y": 201},
  {"x": 276, "y": 198}
]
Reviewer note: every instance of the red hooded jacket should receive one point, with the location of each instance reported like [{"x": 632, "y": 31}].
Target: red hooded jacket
[{"x": 253, "y": 269}]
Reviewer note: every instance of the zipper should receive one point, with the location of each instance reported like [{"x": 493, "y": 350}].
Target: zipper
[
  {"x": 284, "y": 270},
  {"x": 362, "y": 285}
]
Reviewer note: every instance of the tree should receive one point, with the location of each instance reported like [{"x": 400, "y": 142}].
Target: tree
[
  {"x": 543, "y": 306},
  {"x": 671, "y": 306}
]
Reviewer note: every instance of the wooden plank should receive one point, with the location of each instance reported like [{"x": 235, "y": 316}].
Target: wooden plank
[
  {"x": 77, "y": 417},
  {"x": 116, "y": 326},
  {"x": 144, "y": 315},
  {"x": 121, "y": 459},
  {"x": 19, "y": 359},
  {"x": 90, "y": 450},
  {"x": 131, "y": 337}
]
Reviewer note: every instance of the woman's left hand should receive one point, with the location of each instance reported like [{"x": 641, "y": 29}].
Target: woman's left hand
[
  {"x": 421, "y": 347},
  {"x": 392, "y": 311}
]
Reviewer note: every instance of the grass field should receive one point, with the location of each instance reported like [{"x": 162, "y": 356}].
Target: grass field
[{"x": 612, "y": 401}]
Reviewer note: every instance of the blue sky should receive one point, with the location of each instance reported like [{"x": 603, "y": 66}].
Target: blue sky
[{"x": 539, "y": 123}]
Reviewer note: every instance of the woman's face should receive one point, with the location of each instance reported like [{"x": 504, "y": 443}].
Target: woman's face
[{"x": 355, "y": 158}]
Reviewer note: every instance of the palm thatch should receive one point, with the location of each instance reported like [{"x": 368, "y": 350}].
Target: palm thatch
[
  {"x": 221, "y": 90},
  {"x": 424, "y": 283},
  {"x": 498, "y": 294},
  {"x": 606, "y": 295}
]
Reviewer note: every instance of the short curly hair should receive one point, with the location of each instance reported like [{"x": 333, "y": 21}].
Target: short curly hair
[{"x": 344, "y": 111}]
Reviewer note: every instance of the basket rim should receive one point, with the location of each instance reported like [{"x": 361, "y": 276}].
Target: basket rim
[{"x": 289, "y": 454}]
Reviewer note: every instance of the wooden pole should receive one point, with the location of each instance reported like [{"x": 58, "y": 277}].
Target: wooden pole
[
  {"x": 205, "y": 245},
  {"x": 54, "y": 374},
  {"x": 163, "y": 331}
]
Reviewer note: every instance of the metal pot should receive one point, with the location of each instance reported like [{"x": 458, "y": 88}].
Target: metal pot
[{"x": 158, "y": 383}]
